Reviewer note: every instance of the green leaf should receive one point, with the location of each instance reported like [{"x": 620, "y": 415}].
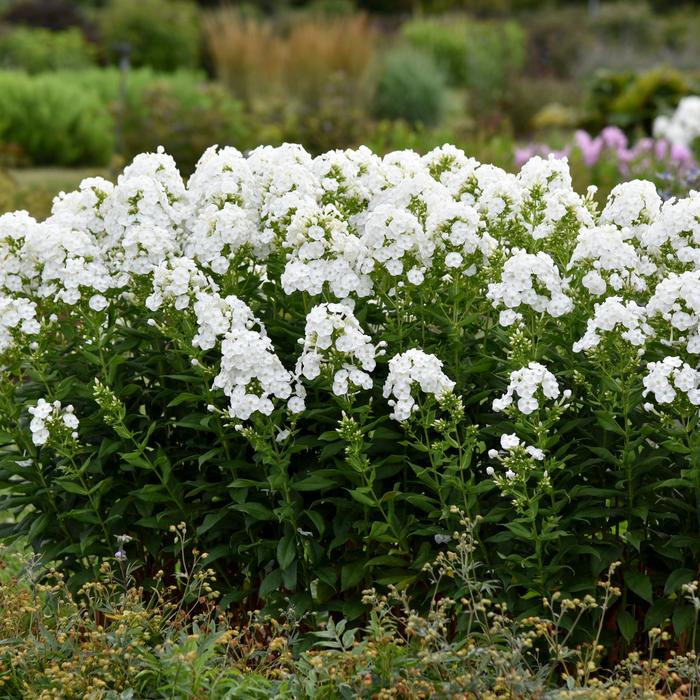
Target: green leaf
[
  {"x": 607, "y": 421},
  {"x": 627, "y": 625},
  {"x": 361, "y": 495},
  {"x": 640, "y": 584},
  {"x": 38, "y": 526},
  {"x": 286, "y": 550},
  {"x": 676, "y": 579},
  {"x": 683, "y": 617},
  {"x": 210, "y": 520},
  {"x": 315, "y": 482},
  {"x": 71, "y": 486},
  {"x": 351, "y": 575},
  {"x": 270, "y": 583},
  {"x": 257, "y": 511}
]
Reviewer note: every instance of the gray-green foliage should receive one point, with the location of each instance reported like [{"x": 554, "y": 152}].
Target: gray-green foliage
[
  {"x": 482, "y": 56},
  {"x": 411, "y": 86}
]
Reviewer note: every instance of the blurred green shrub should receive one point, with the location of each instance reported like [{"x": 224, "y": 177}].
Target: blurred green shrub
[
  {"x": 630, "y": 23},
  {"x": 162, "y": 34},
  {"x": 632, "y": 100},
  {"x": 185, "y": 119},
  {"x": 529, "y": 96},
  {"x": 71, "y": 117},
  {"x": 179, "y": 111},
  {"x": 53, "y": 121},
  {"x": 36, "y": 50},
  {"x": 554, "y": 47},
  {"x": 484, "y": 56},
  {"x": 411, "y": 86},
  {"x": 445, "y": 41}
]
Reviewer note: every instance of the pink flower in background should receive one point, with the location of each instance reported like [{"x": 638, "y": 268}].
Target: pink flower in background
[
  {"x": 590, "y": 148},
  {"x": 614, "y": 138},
  {"x": 647, "y": 154}
]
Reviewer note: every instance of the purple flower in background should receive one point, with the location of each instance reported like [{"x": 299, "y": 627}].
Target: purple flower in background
[
  {"x": 614, "y": 138},
  {"x": 682, "y": 155},
  {"x": 645, "y": 159},
  {"x": 590, "y": 148}
]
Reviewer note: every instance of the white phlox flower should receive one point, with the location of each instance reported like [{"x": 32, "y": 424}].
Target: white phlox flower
[
  {"x": 528, "y": 383},
  {"x": 666, "y": 378},
  {"x": 529, "y": 281},
  {"x": 410, "y": 370},
  {"x": 333, "y": 339},
  {"x": 50, "y": 418}
]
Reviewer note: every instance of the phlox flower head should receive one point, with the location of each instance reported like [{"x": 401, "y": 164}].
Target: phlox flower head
[
  {"x": 529, "y": 281},
  {"x": 52, "y": 420},
  {"x": 665, "y": 379},
  {"x": 614, "y": 316},
  {"x": 334, "y": 340},
  {"x": 530, "y": 384},
  {"x": 413, "y": 370}
]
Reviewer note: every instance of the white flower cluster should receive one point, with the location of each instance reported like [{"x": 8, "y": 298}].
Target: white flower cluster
[
  {"x": 526, "y": 383},
  {"x": 610, "y": 261},
  {"x": 323, "y": 251},
  {"x": 675, "y": 235},
  {"x": 251, "y": 375},
  {"x": 511, "y": 447},
  {"x": 177, "y": 280},
  {"x": 533, "y": 281},
  {"x": 16, "y": 315},
  {"x": 351, "y": 227},
  {"x": 333, "y": 338},
  {"x": 614, "y": 314},
  {"x": 632, "y": 206},
  {"x": 676, "y": 300},
  {"x": 411, "y": 369},
  {"x": 549, "y": 201},
  {"x": 49, "y": 418},
  {"x": 666, "y": 378},
  {"x": 683, "y": 126}
]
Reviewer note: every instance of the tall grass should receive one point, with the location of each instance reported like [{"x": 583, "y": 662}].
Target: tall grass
[{"x": 294, "y": 56}]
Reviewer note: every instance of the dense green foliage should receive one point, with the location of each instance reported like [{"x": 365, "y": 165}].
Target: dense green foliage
[
  {"x": 161, "y": 34},
  {"x": 73, "y": 117},
  {"x": 37, "y": 50},
  {"x": 52, "y": 120}
]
